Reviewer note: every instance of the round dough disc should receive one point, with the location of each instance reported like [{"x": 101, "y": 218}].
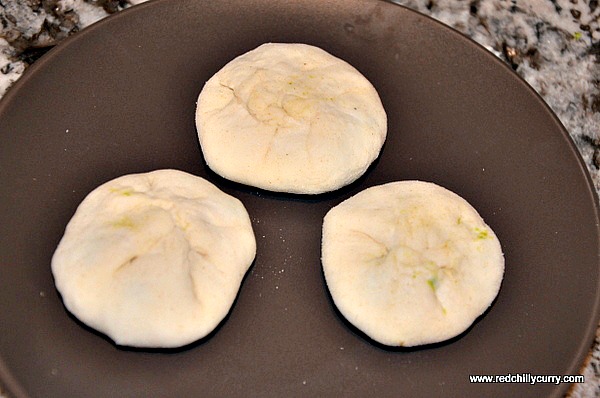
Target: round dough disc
[
  {"x": 154, "y": 259},
  {"x": 290, "y": 118},
  {"x": 410, "y": 263}
]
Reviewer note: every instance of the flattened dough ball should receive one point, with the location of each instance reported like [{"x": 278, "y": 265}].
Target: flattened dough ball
[
  {"x": 410, "y": 263},
  {"x": 154, "y": 259},
  {"x": 290, "y": 118}
]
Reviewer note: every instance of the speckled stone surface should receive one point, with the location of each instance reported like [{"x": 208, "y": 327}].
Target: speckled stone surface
[{"x": 553, "y": 44}]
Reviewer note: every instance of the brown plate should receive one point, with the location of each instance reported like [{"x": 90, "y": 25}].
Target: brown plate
[{"x": 119, "y": 98}]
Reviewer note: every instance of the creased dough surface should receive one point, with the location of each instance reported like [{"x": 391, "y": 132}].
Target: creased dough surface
[
  {"x": 154, "y": 259},
  {"x": 410, "y": 263},
  {"x": 290, "y": 118}
]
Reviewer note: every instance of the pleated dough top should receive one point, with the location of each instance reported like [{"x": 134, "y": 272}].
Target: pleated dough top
[
  {"x": 290, "y": 118},
  {"x": 154, "y": 259},
  {"x": 410, "y": 262}
]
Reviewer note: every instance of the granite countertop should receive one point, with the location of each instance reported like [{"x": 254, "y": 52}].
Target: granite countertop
[{"x": 553, "y": 44}]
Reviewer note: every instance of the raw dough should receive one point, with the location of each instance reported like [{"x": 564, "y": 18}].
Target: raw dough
[
  {"x": 410, "y": 263},
  {"x": 290, "y": 118},
  {"x": 154, "y": 259}
]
